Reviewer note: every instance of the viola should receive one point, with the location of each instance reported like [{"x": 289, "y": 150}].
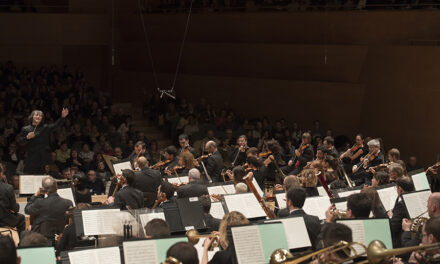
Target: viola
[
  {"x": 356, "y": 148},
  {"x": 204, "y": 157},
  {"x": 264, "y": 154},
  {"x": 176, "y": 168},
  {"x": 160, "y": 164}
]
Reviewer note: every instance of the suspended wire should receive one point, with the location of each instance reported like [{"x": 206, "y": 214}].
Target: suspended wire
[
  {"x": 153, "y": 68},
  {"x": 179, "y": 59}
]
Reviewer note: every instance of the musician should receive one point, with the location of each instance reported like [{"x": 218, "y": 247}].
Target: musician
[
  {"x": 358, "y": 206},
  {"x": 238, "y": 155},
  {"x": 225, "y": 255},
  {"x": 82, "y": 193},
  {"x": 194, "y": 188},
  {"x": 433, "y": 207},
  {"x": 329, "y": 143},
  {"x": 393, "y": 155},
  {"x": 170, "y": 154},
  {"x": 252, "y": 152},
  {"x": 353, "y": 155},
  {"x": 147, "y": 181},
  {"x": 214, "y": 163},
  {"x": 209, "y": 137},
  {"x": 309, "y": 181},
  {"x": 49, "y": 210},
  {"x": 303, "y": 155},
  {"x": 273, "y": 162},
  {"x": 377, "y": 207},
  {"x": 374, "y": 157},
  {"x": 128, "y": 197},
  {"x": 186, "y": 162},
  {"x": 95, "y": 184},
  {"x": 140, "y": 149},
  {"x": 380, "y": 178},
  {"x": 157, "y": 228},
  {"x": 334, "y": 233},
  {"x": 395, "y": 171},
  {"x": 295, "y": 199},
  {"x": 184, "y": 252},
  {"x": 8, "y": 252},
  {"x": 184, "y": 144},
  {"x": 257, "y": 168},
  {"x": 433, "y": 177},
  {"x": 212, "y": 223},
  {"x": 430, "y": 235},
  {"x": 332, "y": 170},
  {"x": 398, "y": 213},
  {"x": 9, "y": 208},
  {"x": 36, "y": 137}
]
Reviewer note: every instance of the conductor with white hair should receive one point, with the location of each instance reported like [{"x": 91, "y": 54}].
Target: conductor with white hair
[
  {"x": 194, "y": 188},
  {"x": 361, "y": 172}
]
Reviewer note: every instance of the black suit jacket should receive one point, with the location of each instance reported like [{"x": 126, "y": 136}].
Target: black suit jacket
[
  {"x": 49, "y": 209},
  {"x": 312, "y": 224},
  {"x": 148, "y": 181},
  {"x": 37, "y": 148},
  {"x": 241, "y": 158},
  {"x": 129, "y": 196},
  {"x": 306, "y": 156},
  {"x": 399, "y": 212},
  {"x": 192, "y": 189},
  {"x": 8, "y": 204},
  {"x": 214, "y": 165}
]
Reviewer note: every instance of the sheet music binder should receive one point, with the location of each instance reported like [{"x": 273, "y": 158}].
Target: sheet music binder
[{"x": 184, "y": 214}]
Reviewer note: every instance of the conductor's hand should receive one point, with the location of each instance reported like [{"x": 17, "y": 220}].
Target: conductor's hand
[
  {"x": 64, "y": 113},
  {"x": 30, "y": 135}
]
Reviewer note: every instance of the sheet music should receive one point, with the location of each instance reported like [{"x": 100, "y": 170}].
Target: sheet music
[
  {"x": 246, "y": 203},
  {"x": 348, "y": 193},
  {"x": 358, "y": 231},
  {"x": 388, "y": 197},
  {"x": 322, "y": 191},
  {"x": 416, "y": 203},
  {"x": 217, "y": 210},
  {"x": 183, "y": 179},
  {"x": 109, "y": 255},
  {"x": 248, "y": 245},
  {"x": 420, "y": 181},
  {"x": 99, "y": 222},
  {"x": 341, "y": 205},
  {"x": 281, "y": 200},
  {"x": 145, "y": 218},
  {"x": 222, "y": 189},
  {"x": 67, "y": 193},
  {"x": 29, "y": 184},
  {"x": 317, "y": 206},
  {"x": 140, "y": 252},
  {"x": 119, "y": 167},
  {"x": 260, "y": 192},
  {"x": 296, "y": 232}
]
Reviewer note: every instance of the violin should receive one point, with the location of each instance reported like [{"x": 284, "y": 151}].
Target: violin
[
  {"x": 160, "y": 199},
  {"x": 204, "y": 157},
  {"x": 264, "y": 154},
  {"x": 303, "y": 147},
  {"x": 160, "y": 164},
  {"x": 176, "y": 168},
  {"x": 356, "y": 148}
]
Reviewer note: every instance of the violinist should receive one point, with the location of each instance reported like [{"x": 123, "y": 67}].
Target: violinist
[
  {"x": 127, "y": 196},
  {"x": 393, "y": 155},
  {"x": 361, "y": 173},
  {"x": 9, "y": 208},
  {"x": 257, "y": 168},
  {"x": 213, "y": 163},
  {"x": 140, "y": 149},
  {"x": 147, "y": 181},
  {"x": 302, "y": 155},
  {"x": 273, "y": 162},
  {"x": 184, "y": 145},
  {"x": 186, "y": 162},
  {"x": 353, "y": 155},
  {"x": 170, "y": 153},
  {"x": 238, "y": 155},
  {"x": 194, "y": 188},
  {"x": 329, "y": 143}
]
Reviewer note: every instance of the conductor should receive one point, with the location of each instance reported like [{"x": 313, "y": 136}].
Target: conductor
[{"x": 36, "y": 137}]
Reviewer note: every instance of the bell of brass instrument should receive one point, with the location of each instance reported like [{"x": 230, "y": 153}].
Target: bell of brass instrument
[
  {"x": 194, "y": 237},
  {"x": 280, "y": 256},
  {"x": 171, "y": 260},
  {"x": 417, "y": 222},
  {"x": 377, "y": 252},
  {"x": 346, "y": 247},
  {"x": 340, "y": 214}
]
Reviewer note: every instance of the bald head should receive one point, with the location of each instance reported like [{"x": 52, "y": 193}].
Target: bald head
[
  {"x": 211, "y": 146},
  {"x": 142, "y": 162},
  {"x": 434, "y": 204},
  {"x": 49, "y": 185}
]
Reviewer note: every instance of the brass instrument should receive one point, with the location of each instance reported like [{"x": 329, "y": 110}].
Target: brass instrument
[
  {"x": 377, "y": 252},
  {"x": 340, "y": 214},
  {"x": 171, "y": 260},
  {"x": 282, "y": 256},
  {"x": 194, "y": 237},
  {"x": 417, "y": 222}
]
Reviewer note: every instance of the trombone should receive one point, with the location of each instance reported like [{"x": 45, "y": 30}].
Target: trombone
[
  {"x": 283, "y": 256},
  {"x": 377, "y": 253},
  {"x": 194, "y": 236}
]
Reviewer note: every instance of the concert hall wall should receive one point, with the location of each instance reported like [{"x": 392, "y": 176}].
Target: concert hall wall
[{"x": 369, "y": 71}]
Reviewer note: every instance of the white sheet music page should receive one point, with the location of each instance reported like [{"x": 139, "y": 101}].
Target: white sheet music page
[
  {"x": 245, "y": 203},
  {"x": 145, "y": 218},
  {"x": 67, "y": 193},
  {"x": 140, "y": 252},
  {"x": 416, "y": 203},
  {"x": 322, "y": 191},
  {"x": 178, "y": 180},
  {"x": 119, "y": 167},
  {"x": 358, "y": 231},
  {"x": 260, "y": 192},
  {"x": 109, "y": 255},
  {"x": 388, "y": 197},
  {"x": 281, "y": 199},
  {"x": 348, "y": 193},
  {"x": 99, "y": 222},
  {"x": 217, "y": 210},
  {"x": 296, "y": 232},
  {"x": 29, "y": 184},
  {"x": 248, "y": 246},
  {"x": 317, "y": 206}
]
